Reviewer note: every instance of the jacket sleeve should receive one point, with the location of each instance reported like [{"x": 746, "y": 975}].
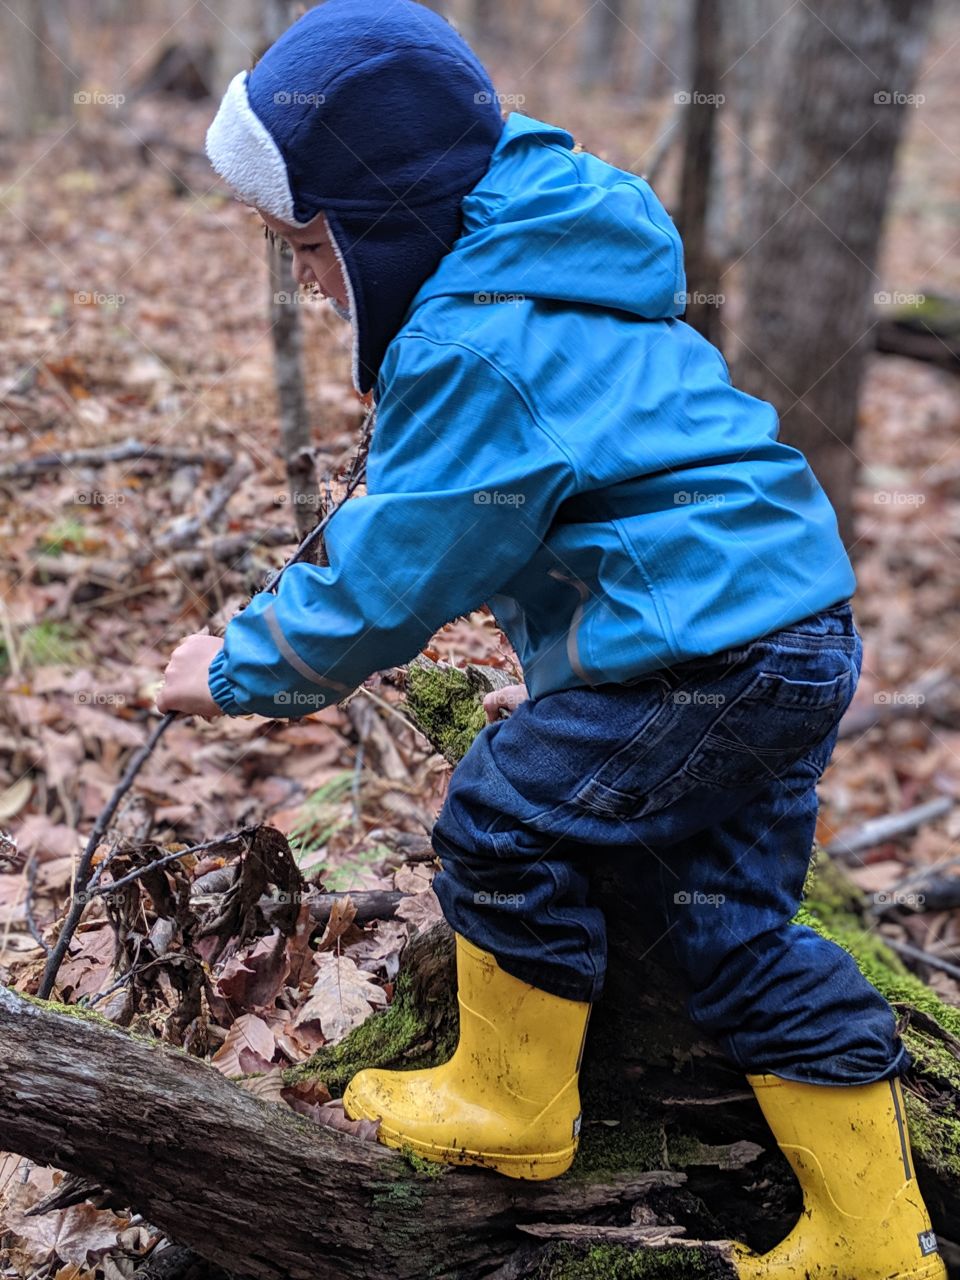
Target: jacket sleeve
[{"x": 462, "y": 486}]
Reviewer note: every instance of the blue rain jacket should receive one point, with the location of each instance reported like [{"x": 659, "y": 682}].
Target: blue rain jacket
[{"x": 553, "y": 440}]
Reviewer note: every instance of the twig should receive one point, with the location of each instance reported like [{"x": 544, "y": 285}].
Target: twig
[
  {"x": 129, "y": 450},
  {"x": 910, "y": 952},
  {"x": 184, "y": 532},
  {"x": 95, "y": 890},
  {"x": 137, "y": 760},
  {"x": 32, "y": 925},
  {"x": 848, "y": 845}
]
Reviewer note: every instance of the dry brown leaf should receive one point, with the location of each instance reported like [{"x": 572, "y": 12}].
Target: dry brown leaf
[
  {"x": 253, "y": 979},
  {"x": 249, "y": 1046},
  {"x": 341, "y": 998},
  {"x": 342, "y": 915},
  {"x": 333, "y": 1115},
  {"x": 268, "y": 1087},
  {"x": 420, "y": 909}
]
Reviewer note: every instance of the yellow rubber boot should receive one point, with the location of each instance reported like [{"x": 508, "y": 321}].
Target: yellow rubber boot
[
  {"x": 507, "y": 1099},
  {"x": 863, "y": 1217}
]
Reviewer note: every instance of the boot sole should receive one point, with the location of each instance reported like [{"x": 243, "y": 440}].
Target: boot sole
[
  {"x": 532, "y": 1168},
  {"x": 935, "y": 1269}
]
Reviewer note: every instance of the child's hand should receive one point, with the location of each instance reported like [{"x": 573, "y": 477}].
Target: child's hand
[
  {"x": 509, "y": 697},
  {"x": 185, "y": 685}
]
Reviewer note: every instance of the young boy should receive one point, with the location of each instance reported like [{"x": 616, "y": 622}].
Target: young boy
[{"x": 553, "y": 439}]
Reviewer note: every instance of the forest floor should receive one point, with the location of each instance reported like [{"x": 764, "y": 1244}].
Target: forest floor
[{"x": 133, "y": 307}]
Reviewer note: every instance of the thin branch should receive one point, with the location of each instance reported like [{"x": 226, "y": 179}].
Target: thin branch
[{"x": 136, "y": 763}]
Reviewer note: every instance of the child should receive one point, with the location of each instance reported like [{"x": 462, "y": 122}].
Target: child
[{"x": 553, "y": 439}]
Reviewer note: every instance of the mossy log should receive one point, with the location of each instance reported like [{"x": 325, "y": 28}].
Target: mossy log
[{"x": 672, "y": 1137}]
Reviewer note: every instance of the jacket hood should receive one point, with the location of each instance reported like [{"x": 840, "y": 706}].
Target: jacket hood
[
  {"x": 382, "y": 118},
  {"x": 546, "y": 221}
]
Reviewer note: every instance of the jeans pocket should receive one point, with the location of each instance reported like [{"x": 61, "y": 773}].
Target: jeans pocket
[{"x": 773, "y": 723}]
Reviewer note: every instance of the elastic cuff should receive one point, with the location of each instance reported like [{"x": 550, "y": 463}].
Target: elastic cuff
[{"x": 221, "y": 689}]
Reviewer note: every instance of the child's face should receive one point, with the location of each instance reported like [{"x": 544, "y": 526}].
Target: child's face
[{"x": 314, "y": 259}]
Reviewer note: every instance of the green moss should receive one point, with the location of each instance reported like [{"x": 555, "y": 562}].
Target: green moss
[
  {"x": 400, "y": 1034},
  {"x": 832, "y": 907},
  {"x": 397, "y": 1211},
  {"x": 446, "y": 706},
  {"x": 91, "y": 1015},
  {"x": 616, "y": 1262},
  {"x": 70, "y": 1010},
  {"x": 935, "y": 1136},
  {"x": 400, "y": 1197},
  {"x": 635, "y": 1144},
  {"x": 429, "y": 1168}
]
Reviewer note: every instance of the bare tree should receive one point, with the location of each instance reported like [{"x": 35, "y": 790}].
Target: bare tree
[
  {"x": 39, "y": 80},
  {"x": 809, "y": 275},
  {"x": 702, "y": 103},
  {"x": 603, "y": 31}
]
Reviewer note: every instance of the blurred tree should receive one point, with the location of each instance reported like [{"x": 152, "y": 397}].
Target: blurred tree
[
  {"x": 660, "y": 46},
  {"x": 39, "y": 81},
  {"x": 603, "y": 32},
  {"x": 809, "y": 276},
  {"x": 241, "y": 36},
  {"x": 701, "y": 106}
]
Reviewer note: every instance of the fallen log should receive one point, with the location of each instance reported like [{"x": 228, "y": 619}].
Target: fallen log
[{"x": 263, "y": 1192}]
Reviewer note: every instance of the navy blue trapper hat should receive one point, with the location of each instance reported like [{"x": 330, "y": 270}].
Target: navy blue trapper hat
[{"x": 379, "y": 115}]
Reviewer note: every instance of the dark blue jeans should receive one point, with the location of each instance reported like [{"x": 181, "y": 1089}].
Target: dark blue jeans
[{"x": 703, "y": 777}]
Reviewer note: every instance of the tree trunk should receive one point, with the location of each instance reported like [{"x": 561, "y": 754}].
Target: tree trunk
[
  {"x": 702, "y": 267},
  {"x": 603, "y": 33},
  {"x": 809, "y": 275},
  {"x": 286, "y": 330},
  {"x": 41, "y": 82}
]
